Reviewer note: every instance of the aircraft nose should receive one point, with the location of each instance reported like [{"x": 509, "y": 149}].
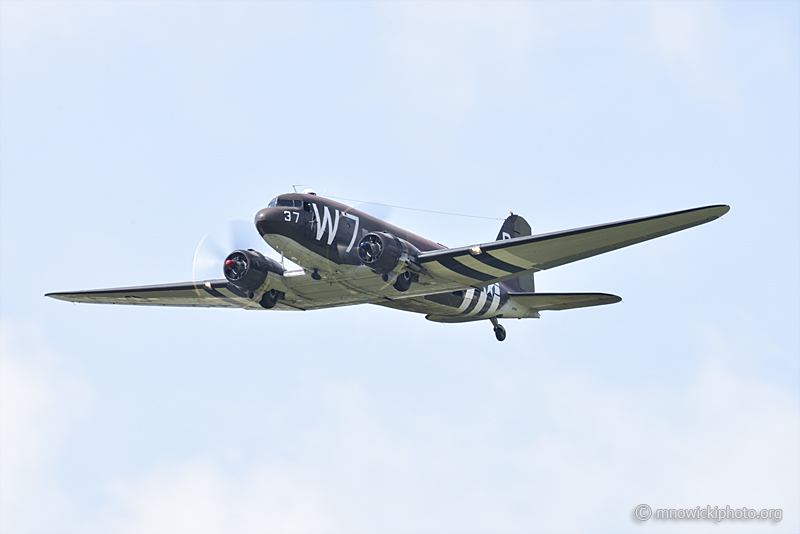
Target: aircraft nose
[{"x": 269, "y": 220}]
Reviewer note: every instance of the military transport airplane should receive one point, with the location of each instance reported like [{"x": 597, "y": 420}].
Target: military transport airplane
[{"x": 349, "y": 257}]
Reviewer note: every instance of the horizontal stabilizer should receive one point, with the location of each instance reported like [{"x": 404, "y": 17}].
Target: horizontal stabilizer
[
  {"x": 453, "y": 318},
  {"x": 561, "y": 301}
]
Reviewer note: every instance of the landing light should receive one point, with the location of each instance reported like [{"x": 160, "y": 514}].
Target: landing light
[{"x": 475, "y": 250}]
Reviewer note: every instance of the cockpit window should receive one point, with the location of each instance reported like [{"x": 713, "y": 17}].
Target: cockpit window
[{"x": 285, "y": 202}]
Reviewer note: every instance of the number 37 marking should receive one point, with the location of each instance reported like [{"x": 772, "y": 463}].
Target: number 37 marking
[{"x": 288, "y": 216}]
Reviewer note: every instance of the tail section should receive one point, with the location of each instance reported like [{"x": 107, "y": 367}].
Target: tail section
[{"x": 516, "y": 226}]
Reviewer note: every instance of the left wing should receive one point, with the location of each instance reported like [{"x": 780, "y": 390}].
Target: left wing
[
  {"x": 489, "y": 263},
  {"x": 300, "y": 290},
  {"x": 210, "y": 294}
]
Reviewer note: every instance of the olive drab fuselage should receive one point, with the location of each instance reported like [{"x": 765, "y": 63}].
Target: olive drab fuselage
[
  {"x": 323, "y": 236},
  {"x": 327, "y": 228}
]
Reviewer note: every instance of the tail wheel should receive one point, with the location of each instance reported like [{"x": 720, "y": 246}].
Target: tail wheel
[{"x": 403, "y": 281}]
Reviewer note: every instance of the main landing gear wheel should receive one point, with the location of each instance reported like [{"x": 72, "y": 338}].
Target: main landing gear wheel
[
  {"x": 403, "y": 282},
  {"x": 269, "y": 300},
  {"x": 499, "y": 331}
]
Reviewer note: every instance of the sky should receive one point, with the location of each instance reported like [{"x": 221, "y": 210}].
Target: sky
[{"x": 129, "y": 130}]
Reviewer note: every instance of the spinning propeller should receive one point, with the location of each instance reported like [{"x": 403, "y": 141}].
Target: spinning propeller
[{"x": 210, "y": 257}]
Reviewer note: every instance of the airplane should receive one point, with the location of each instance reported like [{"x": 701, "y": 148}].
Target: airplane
[{"x": 348, "y": 257}]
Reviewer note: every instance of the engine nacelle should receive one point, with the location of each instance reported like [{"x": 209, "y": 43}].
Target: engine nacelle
[
  {"x": 382, "y": 252},
  {"x": 248, "y": 269}
]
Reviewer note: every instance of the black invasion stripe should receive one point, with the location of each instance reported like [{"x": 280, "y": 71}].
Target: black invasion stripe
[
  {"x": 490, "y": 260},
  {"x": 445, "y": 299},
  {"x": 460, "y": 268},
  {"x": 434, "y": 255},
  {"x": 486, "y": 305},
  {"x": 475, "y": 298},
  {"x": 588, "y": 229}
]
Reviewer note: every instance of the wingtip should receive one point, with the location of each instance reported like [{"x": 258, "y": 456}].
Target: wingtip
[
  {"x": 723, "y": 209},
  {"x": 718, "y": 210},
  {"x": 58, "y": 296}
]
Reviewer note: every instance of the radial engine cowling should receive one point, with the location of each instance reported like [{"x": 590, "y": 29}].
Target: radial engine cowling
[
  {"x": 248, "y": 269},
  {"x": 381, "y": 251}
]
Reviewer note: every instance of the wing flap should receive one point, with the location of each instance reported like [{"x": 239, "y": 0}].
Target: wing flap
[{"x": 485, "y": 264}]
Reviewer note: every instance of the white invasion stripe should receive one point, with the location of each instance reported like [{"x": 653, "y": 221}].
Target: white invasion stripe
[
  {"x": 479, "y": 306},
  {"x": 466, "y": 301},
  {"x": 508, "y": 257},
  {"x": 495, "y": 304},
  {"x": 438, "y": 269}
]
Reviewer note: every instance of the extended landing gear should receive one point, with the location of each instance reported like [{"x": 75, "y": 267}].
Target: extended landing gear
[
  {"x": 499, "y": 331},
  {"x": 270, "y": 299},
  {"x": 402, "y": 282}
]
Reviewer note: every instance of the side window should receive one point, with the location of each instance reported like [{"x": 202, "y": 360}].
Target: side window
[
  {"x": 307, "y": 206},
  {"x": 272, "y": 202}
]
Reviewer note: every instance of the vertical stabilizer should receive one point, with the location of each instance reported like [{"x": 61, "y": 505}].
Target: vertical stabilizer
[{"x": 516, "y": 226}]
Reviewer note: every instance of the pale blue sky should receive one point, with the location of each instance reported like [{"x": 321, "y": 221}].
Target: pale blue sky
[{"x": 129, "y": 130}]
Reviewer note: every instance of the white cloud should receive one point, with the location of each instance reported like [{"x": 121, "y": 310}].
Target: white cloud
[
  {"x": 562, "y": 452},
  {"x": 441, "y": 56},
  {"x": 497, "y": 447},
  {"x": 39, "y": 400},
  {"x": 51, "y": 34},
  {"x": 446, "y": 59},
  {"x": 201, "y": 496},
  {"x": 689, "y": 39}
]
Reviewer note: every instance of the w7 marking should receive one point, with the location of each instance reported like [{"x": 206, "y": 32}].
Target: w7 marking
[{"x": 332, "y": 224}]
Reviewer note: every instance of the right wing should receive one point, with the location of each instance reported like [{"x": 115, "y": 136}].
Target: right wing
[{"x": 494, "y": 262}]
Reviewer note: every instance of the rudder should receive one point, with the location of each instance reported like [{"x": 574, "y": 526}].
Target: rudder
[{"x": 516, "y": 226}]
